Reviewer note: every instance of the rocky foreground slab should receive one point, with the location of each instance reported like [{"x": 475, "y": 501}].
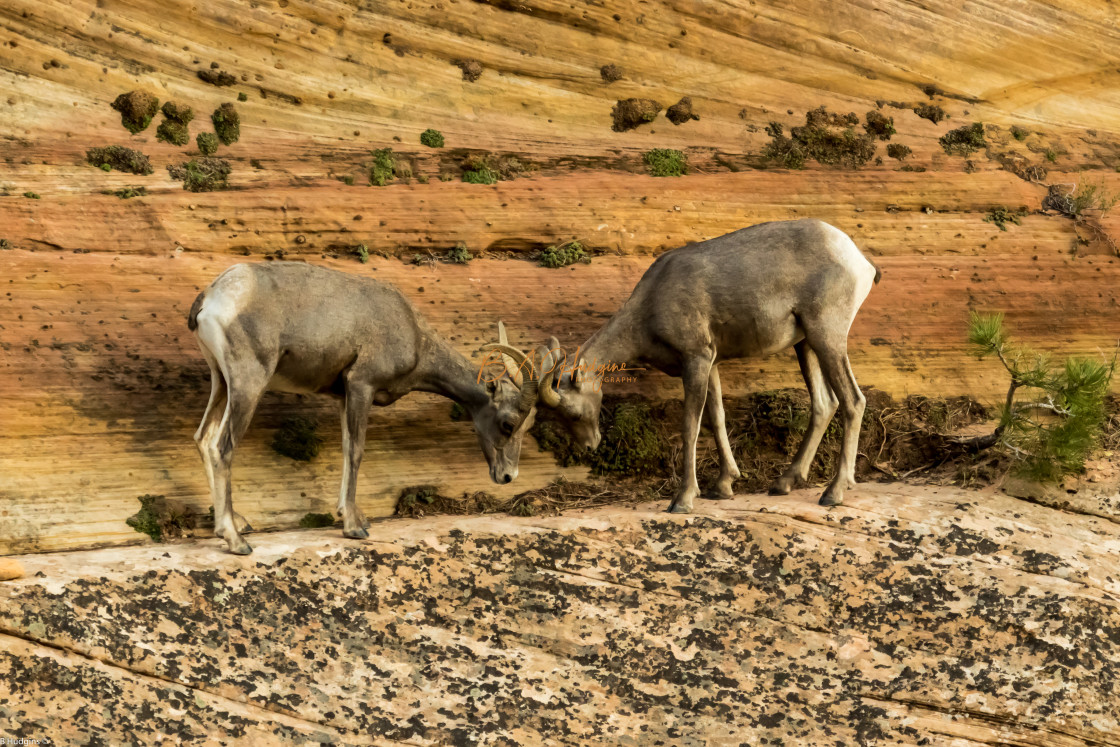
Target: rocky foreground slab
[{"x": 913, "y": 615}]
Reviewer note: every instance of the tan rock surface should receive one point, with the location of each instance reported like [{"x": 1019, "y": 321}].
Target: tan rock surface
[
  {"x": 909, "y": 616},
  {"x": 101, "y": 384}
]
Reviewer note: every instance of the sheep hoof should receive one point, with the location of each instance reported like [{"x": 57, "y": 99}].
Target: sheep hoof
[{"x": 358, "y": 534}]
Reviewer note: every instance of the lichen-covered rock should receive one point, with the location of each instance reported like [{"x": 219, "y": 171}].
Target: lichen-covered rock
[{"x": 910, "y": 616}]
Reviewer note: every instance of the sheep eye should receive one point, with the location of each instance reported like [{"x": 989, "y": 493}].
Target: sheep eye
[{"x": 506, "y": 428}]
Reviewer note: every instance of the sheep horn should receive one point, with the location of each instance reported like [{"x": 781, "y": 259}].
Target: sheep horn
[{"x": 549, "y": 360}]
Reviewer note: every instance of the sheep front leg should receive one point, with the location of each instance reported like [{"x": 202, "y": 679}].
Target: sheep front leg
[
  {"x": 355, "y": 415},
  {"x": 695, "y": 376}
]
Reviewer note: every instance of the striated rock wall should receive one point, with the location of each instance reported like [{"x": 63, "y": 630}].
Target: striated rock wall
[
  {"x": 908, "y": 616},
  {"x": 101, "y": 384}
]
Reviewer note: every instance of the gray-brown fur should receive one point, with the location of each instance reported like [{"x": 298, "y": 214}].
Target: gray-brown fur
[
  {"x": 750, "y": 293},
  {"x": 294, "y": 327}
]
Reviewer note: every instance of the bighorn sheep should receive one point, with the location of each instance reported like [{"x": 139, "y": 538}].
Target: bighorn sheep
[
  {"x": 753, "y": 292},
  {"x": 293, "y": 327}
]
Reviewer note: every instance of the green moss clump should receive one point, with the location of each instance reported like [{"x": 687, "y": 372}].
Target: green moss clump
[
  {"x": 242, "y": 96},
  {"x": 227, "y": 123},
  {"x": 460, "y": 255},
  {"x": 1019, "y": 133},
  {"x": 106, "y": 167},
  {"x": 177, "y": 112},
  {"x": 127, "y": 193},
  {"x": 386, "y": 168},
  {"x": 632, "y": 443},
  {"x": 1001, "y": 216},
  {"x": 158, "y": 519},
  {"x": 120, "y": 158},
  {"x": 458, "y": 412},
  {"x": 362, "y": 253},
  {"x": 207, "y": 143},
  {"x": 899, "y": 151},
  {"x": 413, "y": 498},
  {"x": 297, "y": 439},
  {"x": 313, "y": 520},
  {"x": 202, "y": 174},
  {"x": 31, "y": 195},
  {"x": 829, "y": 139},
  {"x": 431, "y": 138},
  {"x": 930, "y": 111},
  {"x": 146, "y": 520},
  {"x": 879, "y": 125},
  {"x": 563, "y": 255},
  {"x": 171, "y": 131},
  {"x": 137, "y": 109},
  {"x": 964, "y": 141},
  {"x": 1051, "y": 155},
  {"x": 480, "y": 170},
  {"x": 665, "y": 162}
]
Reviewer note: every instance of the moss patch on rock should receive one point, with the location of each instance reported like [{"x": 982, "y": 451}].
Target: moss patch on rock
[
  {"x": 931, "y": 112},
  {"x": 431, "y": 138},
  {"x": 879, "y": 125},
  {"x": 665, "y": 162},
  {"x": 610, "y": 73},
  {"x": 207, "y": 143},
  {"x": 202, "y": 174},
  {"x": 170, "y": 131},
  {"x": 216, "y": 77},
  {"x": 120, "y": 158},
  {"x": 227, "y": 123},
  {"x": 899, "y": 151},
  {"x": 387, "y": 167},
  {"x": 681, "y": 112},
  {"x": 159, "y": 519},
  {"x": 472, "y": 69},
  {"x": 480, "y": 170},
  {"x": 460, "y": 254},
  {"x": 829, "y": 139},
  {"x": 137, "y": 109},
  {"x": 313, "y": 520},
  {"x": 964, "y": 141},
  {"x": 297, "y": 438},
  {"x": 127, "y": 193},
  {"x": 562, "y": 255},
  {"x": 630, "y": 113}
]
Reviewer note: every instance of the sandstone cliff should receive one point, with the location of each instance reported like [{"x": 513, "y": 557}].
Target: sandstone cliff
[{"x": 101, "y": 385}]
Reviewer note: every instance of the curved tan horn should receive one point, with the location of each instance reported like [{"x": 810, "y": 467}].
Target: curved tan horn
[
  {"x": 512, "y": 358},
  {"x": 547, "y": 394},
  {"x": 510, "y": 364},
  {"x": 529, "y": 393}
]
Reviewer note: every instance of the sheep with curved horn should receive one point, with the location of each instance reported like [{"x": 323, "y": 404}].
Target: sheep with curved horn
[
  {"x": 754, "y": 292},
  {"x": 294, "y": 327}
]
